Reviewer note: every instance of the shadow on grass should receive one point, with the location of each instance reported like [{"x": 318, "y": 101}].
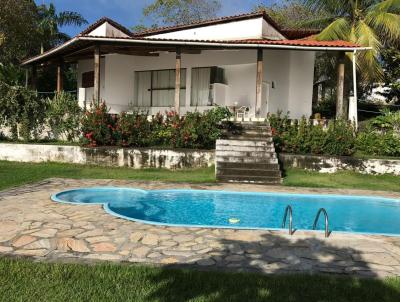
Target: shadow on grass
[{"x": 301, "y": 270}]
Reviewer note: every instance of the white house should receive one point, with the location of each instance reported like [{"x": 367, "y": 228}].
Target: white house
[{"x": 245, "y": 60}]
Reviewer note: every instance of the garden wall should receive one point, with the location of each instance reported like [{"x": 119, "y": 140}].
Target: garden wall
[
  {"x": 108, "y": 156},
  {"x": 331, "y": 164}
]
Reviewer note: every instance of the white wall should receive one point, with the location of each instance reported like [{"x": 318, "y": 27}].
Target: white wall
[
  {"x": 107, "y": 30},
  {"x": 291, "y": 72},
  {"x": 244, "y": 29},
  {"x": 301, "y": 83}
]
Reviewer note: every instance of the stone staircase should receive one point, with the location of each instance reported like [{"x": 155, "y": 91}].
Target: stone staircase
[{"x": 248, "y": 155}]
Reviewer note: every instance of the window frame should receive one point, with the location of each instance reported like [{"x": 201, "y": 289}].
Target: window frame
[{"x": 151, "y": 89}]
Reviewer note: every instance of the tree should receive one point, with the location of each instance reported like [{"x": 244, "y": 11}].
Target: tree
[
  {"x": 18, "y": 34},
  {"x": 50, "y": 21},
  {"x": 173, "y": 12},
  {"x": 391, "y": 79},
  {"x": 288, "y": 13},
  {"x": 369, "y": 23}
]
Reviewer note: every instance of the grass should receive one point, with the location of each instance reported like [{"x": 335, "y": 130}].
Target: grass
[
  {"x": 342, "y": 180},
  {"x": 15, "y": 174},
  {"x": 23, "y": 280}
]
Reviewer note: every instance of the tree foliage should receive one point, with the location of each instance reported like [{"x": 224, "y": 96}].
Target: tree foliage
[
  {"x": 173, "y": 12},
  {"x": 287, "y": 13},
  {"x": 18, "y": 30},
  {"x": 370, "y": 23},
  {"x": 49, "y": 21}
]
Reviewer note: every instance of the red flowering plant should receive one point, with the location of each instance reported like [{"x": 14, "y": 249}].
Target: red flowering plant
[
  {"x": 135, "y": 129},
  {"x": 98, "y": 126}
]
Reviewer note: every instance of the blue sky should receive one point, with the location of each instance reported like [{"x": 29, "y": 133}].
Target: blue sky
[{"x": 129, "y": 12}]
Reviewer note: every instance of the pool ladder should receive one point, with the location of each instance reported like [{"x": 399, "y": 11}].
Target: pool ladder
[
  {"x": 289, "y": 211},
  {"x": 323, "y": 211}
]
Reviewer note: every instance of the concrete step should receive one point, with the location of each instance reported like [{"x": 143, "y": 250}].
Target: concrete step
[
  {"x": 248, "y": 166},
  {"x": 251, "y": 179},
  {"x": 250, "y": 138},
  {"x": 245, "y": 159},
  {"x": 250, "y": 143},
  {"x": 257, "y": 154},
  {"x": 248, "y": 173},
  {"x": 245, "y": 148}
]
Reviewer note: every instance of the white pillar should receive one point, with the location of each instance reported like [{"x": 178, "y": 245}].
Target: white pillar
[{"x": 353, "y": 110}]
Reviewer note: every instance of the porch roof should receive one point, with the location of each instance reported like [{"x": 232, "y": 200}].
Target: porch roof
[
  {"x": 144, "y": 43},
  {"x": 81, "y": 43}
]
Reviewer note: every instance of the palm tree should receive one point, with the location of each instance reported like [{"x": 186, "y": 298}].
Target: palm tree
[
  {"x": 370, "y": 23},
  {"x": 50, "y": 21}
]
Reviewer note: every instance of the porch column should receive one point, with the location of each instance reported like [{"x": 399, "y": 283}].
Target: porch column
[
  {"x": 96, "y": 86},
  {"x": 340, "y": 110},
  {"x": 178, "y": 79},
  {"x": 60, "y": 79},
  {"x": 353, "y": 110},
  {"x": 26, "y": 77},
  {"x": 259, "y": 82}
]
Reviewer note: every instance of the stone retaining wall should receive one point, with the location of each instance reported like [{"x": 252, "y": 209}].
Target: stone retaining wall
[
  {"x": 108, "y": 156},
  {"x": 331, "y": 164}
]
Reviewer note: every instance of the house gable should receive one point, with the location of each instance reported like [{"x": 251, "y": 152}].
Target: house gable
[
  {"x": 249, "y": 26},
  {"x": 107, "y": 30}
]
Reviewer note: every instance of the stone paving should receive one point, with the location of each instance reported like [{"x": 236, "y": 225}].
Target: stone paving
[{"x": 31, "y": 225}]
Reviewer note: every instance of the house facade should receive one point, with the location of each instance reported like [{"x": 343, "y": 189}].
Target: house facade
[{"x": 245, "y": 61}]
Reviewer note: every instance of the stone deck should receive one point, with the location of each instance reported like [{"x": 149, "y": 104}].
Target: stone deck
[{"x": 32, "y": 225}]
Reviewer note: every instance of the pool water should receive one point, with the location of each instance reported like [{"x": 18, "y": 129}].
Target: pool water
[{"x": 242, "y": 210}]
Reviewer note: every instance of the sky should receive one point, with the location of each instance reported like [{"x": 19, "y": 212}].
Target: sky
[{"x": 129, "y": 12}]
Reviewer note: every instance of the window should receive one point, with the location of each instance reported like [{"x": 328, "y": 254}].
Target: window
[
  {"x": 156, "y": 88},
  {"x": 202, "y": 78},
  {"x": 88, "y": 79}
]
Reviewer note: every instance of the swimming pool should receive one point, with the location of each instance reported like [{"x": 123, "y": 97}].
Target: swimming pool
[{"x": 242, "y": 210}]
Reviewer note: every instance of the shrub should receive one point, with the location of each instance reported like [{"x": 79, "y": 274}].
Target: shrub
[
  {"x": 303, "y": 137},
  {"x": 134, "y": 130},
  {"x": 381, "y": 135},
  {"x": 23, "y": 111},
  {"x": 98, "y": 126},
  {"x": 63, "y": 116}
]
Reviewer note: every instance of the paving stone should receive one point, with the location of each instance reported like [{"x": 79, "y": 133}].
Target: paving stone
[
  {"x": 206, "y": 262},
  {"x": 150, "y": 239},
  {"x": 154, "y": 255},
  {"x": 104, "y": 247},
  {"x": 23, "y": 240},
  {"x": 183, "y": 238},
  {"x": 32, "y": 253},
  {"x": 70, "y": 244},
  {"x": 28, "y": 211},
  {"x": 97, "y": 239},
  {"x": 92, "y": 233},
  {"x": 141, "y": 251},
  {"x": 45, "y": 233},
  {"x": 5, "y": 249},
  {"x": 136, "y": 236},
  {"x": 169, "y": 260},
  {"x": 39, "y": 244}
]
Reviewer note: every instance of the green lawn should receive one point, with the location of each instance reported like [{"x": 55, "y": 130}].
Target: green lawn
[
  {"x": 23, "y": 280},
  {"x": 15, "y": 174},
  {"x": 342, "y": 180}
]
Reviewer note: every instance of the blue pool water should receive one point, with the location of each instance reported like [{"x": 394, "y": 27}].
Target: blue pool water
[{"x": 242, "y": 210}]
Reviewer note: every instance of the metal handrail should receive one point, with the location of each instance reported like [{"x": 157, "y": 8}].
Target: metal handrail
[
  {"x": 290, "y": 211},
  {"x": 322, "y": 210}
]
